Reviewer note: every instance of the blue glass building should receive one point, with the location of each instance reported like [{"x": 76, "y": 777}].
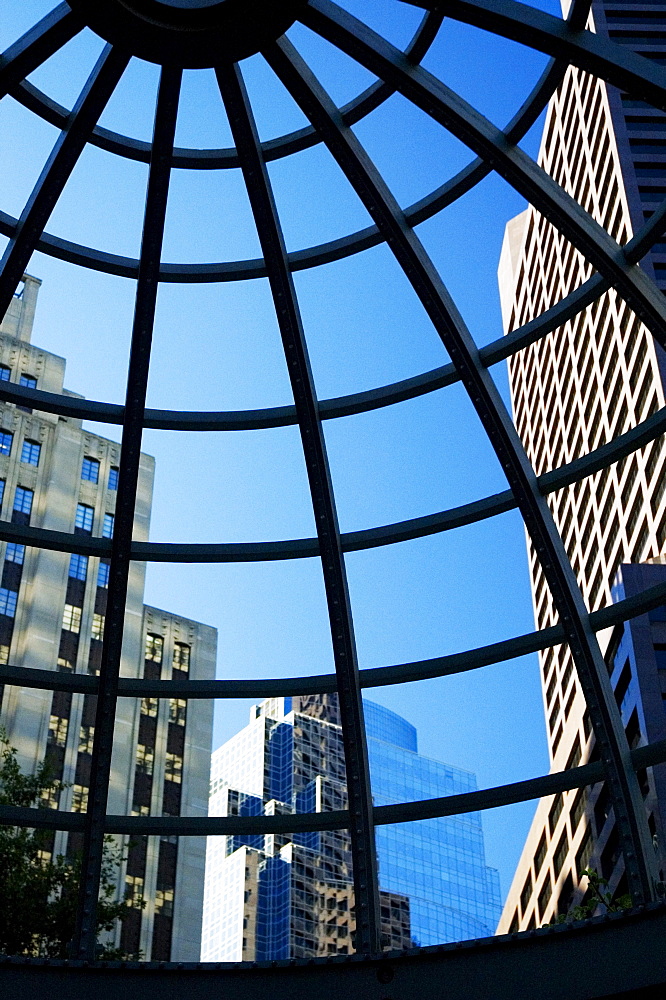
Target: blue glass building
[
  {"x": 292, "y": 896},
  {"x": 439, "y": 864}
]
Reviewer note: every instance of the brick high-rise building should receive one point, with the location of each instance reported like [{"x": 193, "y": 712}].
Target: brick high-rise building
[
  {"x": 56, "y": 474},
  {"x": 575, "y": 389}
]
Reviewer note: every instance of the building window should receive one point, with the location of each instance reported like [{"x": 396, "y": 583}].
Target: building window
[
  {"x": 79, "y": 798},
  {"x": 113, "y": 478},
  {"x": 177, "y": 711},
  {"x": 145, "y": 758},
  {"x": 544, "y": 896},
  {"x": 90, "y": 470},
  {"x": 15, "y": 553},
  {"x": 164, "y": 902},
  {"x": 107, "y": 528},
  {"x": 5, "y": 373},
  {"x": 154, "y": 648},
  {"x": 103, "y": 574},
  {"x": 2, "y": 490},
  {"x": 555, "y": 813},
  {"x": 173, "y": 769},
  {"x": 78, "y": 567},
  {"x": 23, "y": 500},
  {"x": 181, "y": 657},
  {"x": 71, "y": 618},
  {"x": 30, "y": 452},
  {"x": 86, "y": 738},
  {"x": 149, "y": 707},
  {"x": 6, "y": 439},
  {"x": 8, "y": 600},
  {"x": 83, "y": 521},
  {"x": 30, "y": 383},
  {"x": 57, "y": 731},
  {"x": 561, "y": 852},
  {"x": 97, "y": 627},
  {"x": 526, "y": 893},
  {"x": 134, "y": 891}
]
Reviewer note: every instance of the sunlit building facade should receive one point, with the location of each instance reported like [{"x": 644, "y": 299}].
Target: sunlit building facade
[
  {"x": 292, "y": 896},
  {"x": 582, "y": 385},
  {"x": 56, "y": 474}
]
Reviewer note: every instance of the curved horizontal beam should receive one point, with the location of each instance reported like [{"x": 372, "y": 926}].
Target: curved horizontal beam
[
  {"x": 352, "y": 541},
  {"x": 220, "y": 159},
  {"x": 334, "y": 250},
  {"x": 455, "y": 114},
  {"x": 276, "y": 687},
  {"x": 402, "y": 812},
  {"x": 591, "y": 52},
  {"x": 362, "y": 402}
]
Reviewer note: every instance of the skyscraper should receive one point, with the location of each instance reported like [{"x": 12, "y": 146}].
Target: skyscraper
[
  {"x": 580, "y": 386},
  {"x": 292, "y": 896},
  {"x": 56, "y": 474}
]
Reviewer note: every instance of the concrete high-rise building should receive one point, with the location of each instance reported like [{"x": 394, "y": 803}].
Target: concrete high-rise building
[
  {"x": 292, "y": 896},
  {"x": 582, "y": 385},
  {"x": 56, "y": 474}
]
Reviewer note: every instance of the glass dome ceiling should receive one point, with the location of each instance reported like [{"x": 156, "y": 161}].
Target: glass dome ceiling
[{"x": 182, "y": 36}]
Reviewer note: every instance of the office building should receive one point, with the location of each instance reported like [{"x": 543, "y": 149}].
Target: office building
[
  {"x": 292, "y": 896},
  {"x": 582, "y": 385},
  {"x": 56, "y": 474}
]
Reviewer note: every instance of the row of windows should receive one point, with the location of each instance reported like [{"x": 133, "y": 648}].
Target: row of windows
[
  {"x": 27, "y": 380},
  {"x": 78, "y": 570},
  {"x": 90, "y": 472},
  {"x": 29, "y": 453},
  {"x": 83, "y": 521},
  {"x": 155, "y": 648}
]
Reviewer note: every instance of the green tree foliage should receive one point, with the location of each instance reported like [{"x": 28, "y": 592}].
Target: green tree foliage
[
  {"x": 597, "y": 895},
  {"x": 38, "y": 893}
]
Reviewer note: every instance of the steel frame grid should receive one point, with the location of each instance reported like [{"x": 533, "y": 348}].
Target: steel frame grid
[{"x": 495, "y": 150}]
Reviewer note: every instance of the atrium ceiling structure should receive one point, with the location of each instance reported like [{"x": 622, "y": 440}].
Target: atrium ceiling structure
[{"x": 182, "y": 34}]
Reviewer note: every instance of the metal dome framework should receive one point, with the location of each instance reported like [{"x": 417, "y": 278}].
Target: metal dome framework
[{"x": 566, "y": 42}]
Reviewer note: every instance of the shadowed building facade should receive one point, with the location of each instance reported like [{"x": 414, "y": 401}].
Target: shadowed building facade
[
  {"x": 56, "y": 474},
  {"x": 582, "y": 385},
  {"x": 292, "y": 896}
]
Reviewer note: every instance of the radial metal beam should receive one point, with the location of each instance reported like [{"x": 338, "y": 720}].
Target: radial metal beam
[
  {"x": 269, "y": 230},
  {"x": 352, "y": 541},
  {"x": 63, "y": 158},
  {"x": 523, "y": 174},
  {"x": 428, "y": 286},
  {"x": 37, "y": 45},
  {"x": 137, "y": 381}
]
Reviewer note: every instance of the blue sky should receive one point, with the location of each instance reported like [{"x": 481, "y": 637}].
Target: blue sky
[{"x": 217, "y": 347}]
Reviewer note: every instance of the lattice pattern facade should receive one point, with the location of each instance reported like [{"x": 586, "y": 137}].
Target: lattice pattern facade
[{"x": 582, "y": 385}]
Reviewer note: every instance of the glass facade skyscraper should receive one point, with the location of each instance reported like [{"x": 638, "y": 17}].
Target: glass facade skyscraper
[{"x": 292, "y": 896}]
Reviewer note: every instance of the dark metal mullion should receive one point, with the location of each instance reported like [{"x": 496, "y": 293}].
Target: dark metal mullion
[
  {"x": 61, "y": 162},
  {"x": 426, "y": 282},
  {"x": 137, "y": 380},
  {"x": 267, "y": 221},
  {"x": 455, "y": 114},
  {"x": 37, "y": 45}
]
